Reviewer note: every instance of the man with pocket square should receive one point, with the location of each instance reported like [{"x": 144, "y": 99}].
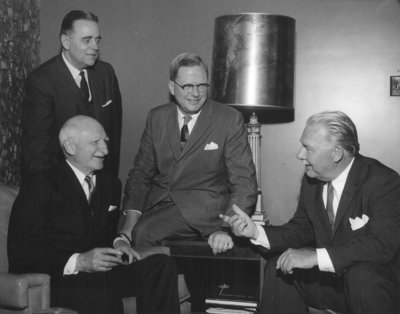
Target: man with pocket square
[
  {"x": 193, "y": 163},
  {"x": 71, "y": 83},
  {"x": 341, "y": 248},
  {"x": 64, "y": 222}
]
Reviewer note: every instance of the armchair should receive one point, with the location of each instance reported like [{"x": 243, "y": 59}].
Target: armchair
[
  {"x": 22, "y": 293},
  {"x": 30, "y": 293}
]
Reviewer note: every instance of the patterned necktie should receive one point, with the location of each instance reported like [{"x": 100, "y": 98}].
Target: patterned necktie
[
  {"x": 185, "y": 130},
  {"x": 329, "y": 203},
  {"x": 84, "y": 86},
  {"x": 91, "y": 187}
]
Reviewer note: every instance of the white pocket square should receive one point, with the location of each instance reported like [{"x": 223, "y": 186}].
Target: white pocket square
[
  {"x": 107, "y": 103},
  {"x": 211, "y": 146},
  {"x": 358, "y": 222},
  {"x": 112, "y": 208}
]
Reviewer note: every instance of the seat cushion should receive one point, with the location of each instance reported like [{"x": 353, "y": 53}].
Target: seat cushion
[{"x": 8, "y": 194}]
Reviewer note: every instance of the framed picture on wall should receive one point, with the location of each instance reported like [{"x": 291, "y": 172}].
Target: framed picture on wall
[{"x": 395, "y": 86}]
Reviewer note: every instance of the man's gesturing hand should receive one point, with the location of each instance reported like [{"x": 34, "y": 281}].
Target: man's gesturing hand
[
  {"x": 241, "y": 224},
  {"x": 98, "y": 259}
]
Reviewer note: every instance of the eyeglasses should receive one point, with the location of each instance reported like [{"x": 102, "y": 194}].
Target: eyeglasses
[{"x": 188, "y": 88}]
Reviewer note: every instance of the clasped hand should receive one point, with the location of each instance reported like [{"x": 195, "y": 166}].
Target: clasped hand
[
  {"x": 104, "y": 259},
  {"x": 220, "y": 242},
  {"x": 304, "y": 258}
]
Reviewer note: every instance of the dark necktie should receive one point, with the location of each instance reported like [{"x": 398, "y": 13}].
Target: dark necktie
[
  {"x": 84, "y": 86},
  {"x": 185, "y": 130},
  {"x": 90, "y": 186},
  {"x": 329, "y": 203}
]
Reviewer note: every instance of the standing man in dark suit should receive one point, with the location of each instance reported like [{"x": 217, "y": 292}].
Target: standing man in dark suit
[
  {"x": 63, "y": 223},
  {"x": 72, "y": 83},
  {"x": 342, "y": 245},
  {"x": 193, "y": 163}
]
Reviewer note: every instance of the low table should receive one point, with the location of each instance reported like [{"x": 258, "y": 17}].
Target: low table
[{"x": 242, "y": 265}]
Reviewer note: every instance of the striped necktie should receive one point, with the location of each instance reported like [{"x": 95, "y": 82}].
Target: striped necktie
[
  {"x": 91, "y": 188},
  {"x": 329, "y": 203}
]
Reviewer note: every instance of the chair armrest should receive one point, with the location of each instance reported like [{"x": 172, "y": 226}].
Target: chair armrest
[{"x": 22, "y": 290}]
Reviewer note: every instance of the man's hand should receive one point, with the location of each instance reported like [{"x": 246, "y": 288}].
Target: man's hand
[
  {"x": 241, "y": 224},
  {"x": 125, "y": 248},
  {"x": 304, "y": 258},
  {"x": 220, "y": 241},
  {"x": 98, "y": 259}
]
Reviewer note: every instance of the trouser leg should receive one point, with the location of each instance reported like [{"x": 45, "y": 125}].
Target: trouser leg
[
  {"x": 152, "y": 280},
  {"x": 164, "y": 221},
  {"x": 293, "y": 293},
  {"x": 371, "y": 288},
  {"x": 280, "y": 294}
]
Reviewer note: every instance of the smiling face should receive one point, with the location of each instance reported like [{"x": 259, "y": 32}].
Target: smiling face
[
  {"x": 88, "y": 147},
  {"x": 189, "y": 103},
  {"x": 319, "y": 153},
  {"x": 81, "y": 45}
]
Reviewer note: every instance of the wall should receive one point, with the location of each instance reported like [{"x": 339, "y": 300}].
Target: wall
[
  {"x": 346, "y": 51},
  {"x": 19, "y": 54}
]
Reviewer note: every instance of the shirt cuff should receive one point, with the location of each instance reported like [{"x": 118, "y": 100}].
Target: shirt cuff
[
  {"x": 262, "y": 238},
  {"x": 132, "y": 210},
  {"x": 123, "y": 239},
  {"x": 324, "y": 261},
  {"x": 70, "y": 267}
]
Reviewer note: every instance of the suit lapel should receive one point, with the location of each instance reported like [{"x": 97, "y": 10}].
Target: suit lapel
[
  {"x": 70, "y": 86},
  {"x": 95, "y": 90},
  {"x": 173, "y": 130},
  {"x": 320, "y": 209},
  {"x": 100, "y": 198},
  {"x": 73, "y": 189},
  {"x": 349, "y": 190}
]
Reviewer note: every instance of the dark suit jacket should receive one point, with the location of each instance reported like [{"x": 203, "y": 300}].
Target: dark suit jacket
[
  {"x": 51, "y": 220},
  {"x": 202, "y": 183},
  {"x": 371, "y": 189},
  {"x": 52, "y": 97}
]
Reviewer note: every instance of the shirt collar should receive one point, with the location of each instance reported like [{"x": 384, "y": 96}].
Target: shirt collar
[
  {"x": 181, "y": 115},
  {"x": 74, "y": 71},
  {"x": 80, "y": 175},
  {"x": 340, "y": 181}
]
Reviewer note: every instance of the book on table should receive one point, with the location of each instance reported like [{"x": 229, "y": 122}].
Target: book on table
[
  {"x": 218, "y": 310},
  {"x": 235, "y": 298}
]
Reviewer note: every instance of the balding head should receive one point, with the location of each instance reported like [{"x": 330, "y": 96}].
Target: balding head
[{"x": 84, "y": 143}]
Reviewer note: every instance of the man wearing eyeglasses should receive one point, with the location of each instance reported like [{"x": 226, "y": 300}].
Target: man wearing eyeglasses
[{"x": 193, "y": 163}]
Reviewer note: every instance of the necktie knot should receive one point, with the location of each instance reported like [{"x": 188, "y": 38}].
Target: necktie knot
[{"x": 186, "y": 119}]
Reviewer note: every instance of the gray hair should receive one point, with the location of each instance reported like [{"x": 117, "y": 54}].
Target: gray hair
[
  {"x": 186, "y": 59},
  {"x": 73, "y": 127},
  {"x": 340, "y": 127}
]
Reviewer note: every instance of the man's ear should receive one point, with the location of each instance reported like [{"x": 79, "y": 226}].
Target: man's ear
[
  {"x": 338, "y": 154},
  {"x": 65, "y": 41},
  {"x": 69, "y": 147},
  {"x": 171, "y": 86}
]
